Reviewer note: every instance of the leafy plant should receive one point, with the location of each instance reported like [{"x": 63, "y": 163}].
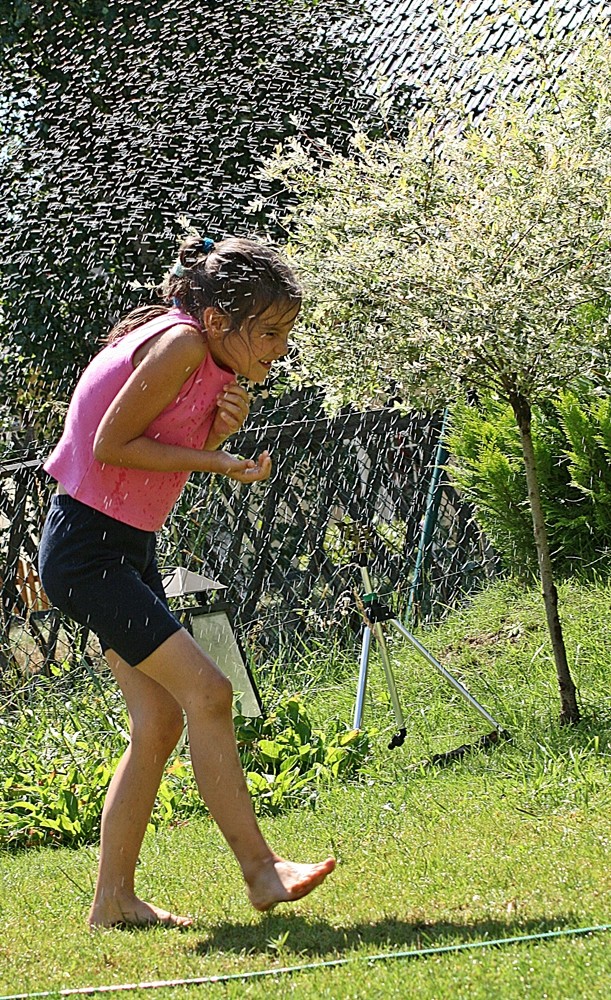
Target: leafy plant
[
  {"x": 285, "y": 760},
  {"x": 285, "y": 757},
  {"x": 587, "y": 423},
  {"x": 54, "y": 779}
]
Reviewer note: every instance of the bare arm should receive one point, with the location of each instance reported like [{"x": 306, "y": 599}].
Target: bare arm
[{"x": 120, "y": 439}]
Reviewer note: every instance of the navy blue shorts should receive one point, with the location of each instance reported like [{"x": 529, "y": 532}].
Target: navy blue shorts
[{"x": 103, "y": 574}]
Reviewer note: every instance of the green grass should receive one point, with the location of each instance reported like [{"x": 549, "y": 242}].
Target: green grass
[{"x": 512, "y": 841}]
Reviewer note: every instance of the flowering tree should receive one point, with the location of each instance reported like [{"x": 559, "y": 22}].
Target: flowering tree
[{"x": 471, "y": 256}]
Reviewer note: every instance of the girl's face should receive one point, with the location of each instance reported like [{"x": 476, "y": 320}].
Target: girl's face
[{"x": 251, "y": 351}]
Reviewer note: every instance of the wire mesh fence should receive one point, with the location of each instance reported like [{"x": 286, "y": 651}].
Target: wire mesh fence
[
  {"x": 285, "y": 550},
  {"x": 282, "y": 549}
]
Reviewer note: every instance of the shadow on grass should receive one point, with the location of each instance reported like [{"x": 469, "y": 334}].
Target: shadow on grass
[
  {"x": 556, "y": 738},
  {"x": 595, "y": 721},
  {"x": 302, "y": 937}
]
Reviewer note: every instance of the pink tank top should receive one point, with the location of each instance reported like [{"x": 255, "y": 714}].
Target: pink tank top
[{"x": 138, "y": 497}]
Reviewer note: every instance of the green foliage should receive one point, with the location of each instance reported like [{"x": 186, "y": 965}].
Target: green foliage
[
  {"x": 487, "y": 467},
  {"x": 572, "y": 440},
  {"x": 57, "y": 764},
  {"x": 286, "y": 758},
  {"x": 587, "y": 424},
  {"x": 55, "y": 772}
]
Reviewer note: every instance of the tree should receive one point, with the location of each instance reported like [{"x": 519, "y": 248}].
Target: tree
[{"x": 473, "y": 256}]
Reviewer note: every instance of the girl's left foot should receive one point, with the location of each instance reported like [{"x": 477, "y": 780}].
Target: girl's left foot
[
  {"x": 133, "y": 913},
  {"x": 279, "y": 881}
]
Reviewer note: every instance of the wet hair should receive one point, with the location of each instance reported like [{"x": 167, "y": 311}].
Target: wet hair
[{"x": 242, "y": 278}]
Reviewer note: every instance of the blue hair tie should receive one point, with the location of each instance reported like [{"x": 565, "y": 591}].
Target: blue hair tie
[{"x": 178, "y": 271}]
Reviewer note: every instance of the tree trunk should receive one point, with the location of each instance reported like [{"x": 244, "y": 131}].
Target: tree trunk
[{"x": 568, "y": 699}]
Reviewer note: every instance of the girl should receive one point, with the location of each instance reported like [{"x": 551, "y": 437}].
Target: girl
[{"x": 155, "y": 404}]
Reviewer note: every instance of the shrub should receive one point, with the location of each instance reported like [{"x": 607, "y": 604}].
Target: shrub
[
  {"x": 587, "y": 424},
  {"x": 572, "y": 440}
]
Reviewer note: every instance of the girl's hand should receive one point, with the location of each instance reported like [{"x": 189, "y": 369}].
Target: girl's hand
[
  {"x": 233, "y": 406},
  {"x": 244, "y": 470}
]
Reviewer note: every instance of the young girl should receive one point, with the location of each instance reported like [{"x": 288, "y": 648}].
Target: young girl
[{"x": 154, "y": 405}]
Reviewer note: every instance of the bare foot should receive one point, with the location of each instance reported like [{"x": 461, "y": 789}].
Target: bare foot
[
  {"x": 281, "y": 881},
  {"x": 133, "y": 912}
]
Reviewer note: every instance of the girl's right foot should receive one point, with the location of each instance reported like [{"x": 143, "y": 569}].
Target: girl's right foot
[
  {"x": 279, "y": 881},
  {"x": 133, "y": 912}
]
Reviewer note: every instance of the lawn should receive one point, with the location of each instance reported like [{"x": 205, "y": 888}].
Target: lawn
[{"x": 508, "y": 842}]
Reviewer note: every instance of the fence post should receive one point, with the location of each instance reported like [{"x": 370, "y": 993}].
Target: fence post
[{"x": 10, "y": 596}]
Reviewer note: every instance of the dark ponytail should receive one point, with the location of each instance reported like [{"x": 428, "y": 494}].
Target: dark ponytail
[{"x": 240, "y": 277}]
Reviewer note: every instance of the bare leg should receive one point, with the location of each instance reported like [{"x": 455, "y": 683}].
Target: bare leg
[
  {"x": 205, "y": 694},
  {"x": 156, "y": 723}
]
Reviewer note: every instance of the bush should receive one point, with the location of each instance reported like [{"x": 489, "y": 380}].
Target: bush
[
  {"x": 587, "y": 425},
  {"x": 572, "y": 441},
  {"x": 285, "y": 760}
]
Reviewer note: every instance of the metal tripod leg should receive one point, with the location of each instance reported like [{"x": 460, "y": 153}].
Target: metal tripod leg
[
  {"x": 399, "y": 737},
  {"x": 445, "y": 673},
  {"x": 375, "y": 613},
  {"x": 362, "y": 684}
]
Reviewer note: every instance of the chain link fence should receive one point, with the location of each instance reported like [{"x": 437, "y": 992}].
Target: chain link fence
[{"x": 283, "y": 549}]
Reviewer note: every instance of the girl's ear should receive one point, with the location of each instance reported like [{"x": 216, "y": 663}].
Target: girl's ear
[{"x": 215, "y": 323}]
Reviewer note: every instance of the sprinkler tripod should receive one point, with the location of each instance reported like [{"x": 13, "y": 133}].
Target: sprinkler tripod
[{"x": 375, "y": 616}]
